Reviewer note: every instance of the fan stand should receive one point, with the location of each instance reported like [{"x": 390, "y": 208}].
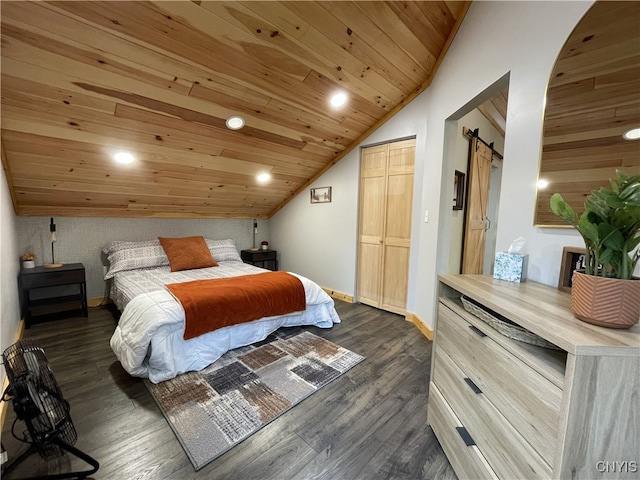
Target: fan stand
[{"x": 64, "y": 445}]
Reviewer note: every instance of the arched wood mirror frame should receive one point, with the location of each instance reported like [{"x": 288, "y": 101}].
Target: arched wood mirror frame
[{"x": 593, "y": 98}]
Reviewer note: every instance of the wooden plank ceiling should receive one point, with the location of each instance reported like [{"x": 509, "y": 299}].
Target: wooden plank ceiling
[
  {"x": 592, "y": 99},
  {"x": 82, "y": 80}
]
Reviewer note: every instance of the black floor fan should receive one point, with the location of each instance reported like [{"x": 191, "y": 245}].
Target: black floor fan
[{"x": 38, "y": 402}]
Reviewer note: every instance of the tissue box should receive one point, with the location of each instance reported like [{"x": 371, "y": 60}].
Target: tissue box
[{"x": 510, "y": 266}]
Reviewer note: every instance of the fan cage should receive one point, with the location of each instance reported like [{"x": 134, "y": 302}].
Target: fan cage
[{"x": 37, "y": 399}]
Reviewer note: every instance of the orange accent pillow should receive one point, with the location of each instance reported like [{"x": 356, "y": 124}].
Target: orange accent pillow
[{"x": 187, "y": 253}]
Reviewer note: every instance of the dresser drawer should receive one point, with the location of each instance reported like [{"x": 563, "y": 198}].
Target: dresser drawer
[
  {"x": 467, "y": 461},
  {"x": 524, "y": 397},
  {"x": 508, "y": 453}
]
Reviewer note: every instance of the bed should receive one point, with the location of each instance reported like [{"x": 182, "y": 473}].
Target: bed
[{"x": 148, "y": 339}]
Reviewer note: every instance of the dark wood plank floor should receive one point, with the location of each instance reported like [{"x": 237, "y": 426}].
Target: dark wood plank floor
[{"x": 368, "y": 424}]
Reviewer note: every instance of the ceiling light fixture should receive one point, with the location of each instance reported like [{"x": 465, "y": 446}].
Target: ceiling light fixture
[
  {"x": 263, "y": 177},
  {"x": 633, "y": 134},
  {"x": 338, "y": 99},
  {"x": 124, "y": 158},
  {"x": 542, "y": 184},
  {"x": 235, "y": 122}
]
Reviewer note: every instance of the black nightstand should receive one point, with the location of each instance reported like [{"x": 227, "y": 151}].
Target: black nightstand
[
  {"x": 41, "y": 277},
  {"x": 260, "y": 256}
]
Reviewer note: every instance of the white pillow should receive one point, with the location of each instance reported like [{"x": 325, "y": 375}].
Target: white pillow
[
  {"x": 124, "y": 255},
  {"x": 223, "y": 250},
  {"x": 134, "y": 255}
]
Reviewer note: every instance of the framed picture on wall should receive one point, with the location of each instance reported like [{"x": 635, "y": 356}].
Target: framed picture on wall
[
  {"x": 321, "y": 195},
  {"x": 458, "y": 190},
  {"x": 572, "y": 259}
]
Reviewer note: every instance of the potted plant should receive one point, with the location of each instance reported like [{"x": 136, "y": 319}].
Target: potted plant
[
  {"x": 28, "y": 260},
  {"x": 606, "y": 293},
  {"x": 265, "y": 245}
]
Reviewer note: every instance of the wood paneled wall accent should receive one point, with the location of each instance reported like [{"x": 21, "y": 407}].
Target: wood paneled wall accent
[
  {"x": 81, "y": 80},
  {"x": 592, "y": 99}
]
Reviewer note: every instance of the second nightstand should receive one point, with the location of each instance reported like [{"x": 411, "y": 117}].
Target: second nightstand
[
  {"x": 40, "y": 277},
  {"x": 255, "y": 257}
]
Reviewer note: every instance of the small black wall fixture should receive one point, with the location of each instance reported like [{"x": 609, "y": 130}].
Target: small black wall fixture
[{"x": 54, "y": 239}]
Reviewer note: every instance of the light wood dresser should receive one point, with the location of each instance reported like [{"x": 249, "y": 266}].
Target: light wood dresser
[{"x": 502, "y": 408}]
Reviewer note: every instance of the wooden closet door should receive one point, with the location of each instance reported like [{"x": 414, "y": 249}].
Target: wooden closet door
[
  {"x": 397, "y": 237},
  {"x": 477, "y": 204},
  {"x": 372, "y": 206},
  {"x": 386, "y": 198}
]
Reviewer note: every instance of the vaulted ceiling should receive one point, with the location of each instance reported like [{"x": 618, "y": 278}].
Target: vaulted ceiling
[{"x": 82, "y": 80}]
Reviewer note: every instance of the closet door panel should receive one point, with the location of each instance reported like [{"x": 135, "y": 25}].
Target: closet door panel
[
  {"x": 401, "y": 157},
  {"x": 398, "y": 211},
  {"x": 397, "y": 238},
  {"x": 371, "y": 229},
  {"x": 369, "y": 268},
  {"x": 395, "y": 278}
]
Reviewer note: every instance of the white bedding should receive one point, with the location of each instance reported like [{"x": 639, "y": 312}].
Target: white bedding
[
  {"x": 149, "y": 341},
  {"x": 129, "y": 284}
]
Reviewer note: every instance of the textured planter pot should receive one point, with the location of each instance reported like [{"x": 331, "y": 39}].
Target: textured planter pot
[
  {"x": 607, "y": 302},
  {"x": 28, "y": 263}
]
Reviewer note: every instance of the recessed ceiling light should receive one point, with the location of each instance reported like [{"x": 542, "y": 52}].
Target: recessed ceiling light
[
  {"x": 263, "y": 177},
  {"x": 633, "y": 134},
  {"x": 235, "y": 122},
  {"x": 123, "y": 157},
  {"x": 338, "y": 99},
  {"x": 542, "y": 184}
]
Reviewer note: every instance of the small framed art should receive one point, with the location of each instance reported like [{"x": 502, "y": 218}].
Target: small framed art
[
  {"x": 321, "y": 195},
  {"x": 572, "y": 259},
  {"x": 458, "y": 190}
]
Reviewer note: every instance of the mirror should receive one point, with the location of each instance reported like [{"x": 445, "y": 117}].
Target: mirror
[{"x": 593, "y": 98}]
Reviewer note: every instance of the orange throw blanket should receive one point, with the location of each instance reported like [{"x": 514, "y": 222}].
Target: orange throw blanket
[{"x": 221, "y": 302}]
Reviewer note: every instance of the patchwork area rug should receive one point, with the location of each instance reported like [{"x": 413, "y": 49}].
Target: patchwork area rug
[{"x": 214, "y": 409}]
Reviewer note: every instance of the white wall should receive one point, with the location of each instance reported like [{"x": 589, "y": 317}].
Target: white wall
[
  {"x": 9, "y": 269},
  {"x": 318, "y": 240},
  {"x": 496, "y": 38}
]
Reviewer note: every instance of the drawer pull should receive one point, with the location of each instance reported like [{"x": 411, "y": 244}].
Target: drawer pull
[
  {"x": 468, "y": 441},
  {"x": 477, "y": 331},
  {"x": 473, "y": 386}
]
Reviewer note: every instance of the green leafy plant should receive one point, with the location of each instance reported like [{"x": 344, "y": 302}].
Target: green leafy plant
[{"x": 609, "y": 226}]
